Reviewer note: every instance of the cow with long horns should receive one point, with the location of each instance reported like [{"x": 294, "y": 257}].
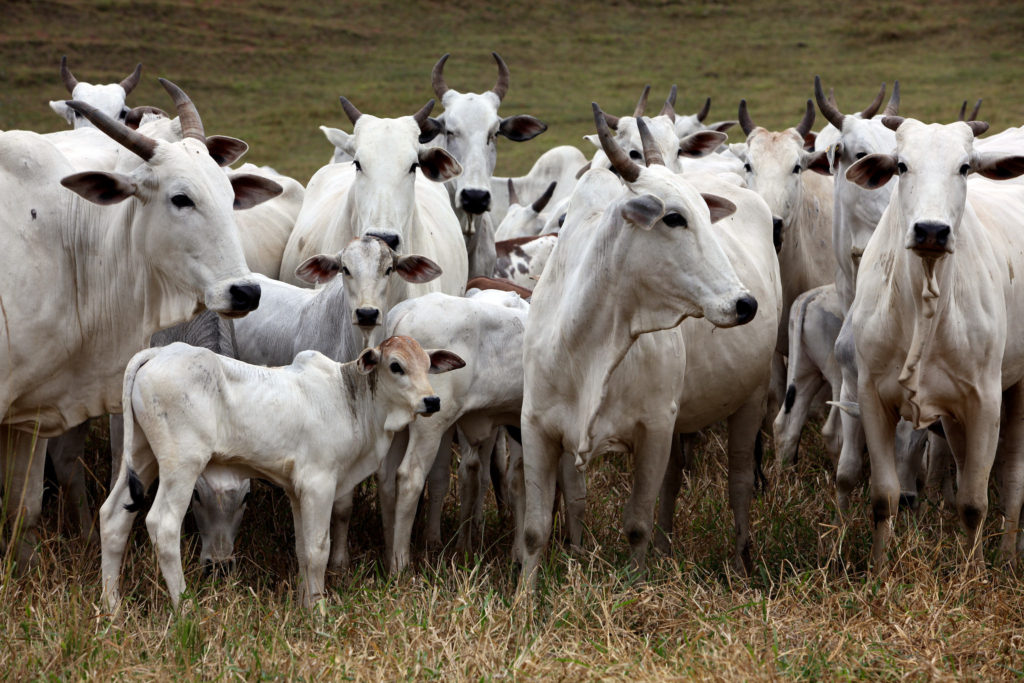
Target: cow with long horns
[{"x": 108, "y": 99}]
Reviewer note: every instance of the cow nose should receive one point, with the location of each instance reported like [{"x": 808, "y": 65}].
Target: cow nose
[
  {"x": 476, "y": 201},
  {"x": 244, "y": 298},
  {"x": 746, "y": 309},
  {"x": 930, "y": 236},
  {"x": 218, "y": 567},
  {"x": 432, "y": 404},
  {"x": 777, "y": 233},
  {"x": 367, "y": 317}
]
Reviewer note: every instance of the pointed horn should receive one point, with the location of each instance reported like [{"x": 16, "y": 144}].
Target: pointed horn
[
  {"x": 65, "y": 75},
  {"x": 351, "y": 112},
  {"x": 641, "y": 104},
  {"x": 191, "y": 124},
  {"x": 501, "y": 87},
  {"x": 134, "y": 116},
  {"x": 133, "y": 79},
  {"x": 668, "y": 109},
  {"x": 513, "y": 198},
  {"x": 652, "y": 155},
  {"x": 893, "y": 108},
  {"x": 423, "y": 113},
  {"x": 828, "y": 109},
  {"x": 805, "y": 125},
  {"x": 872, "y": 108},
  {"x": 621, "y": 162},
  {"x": 746, "y": 123},
  {"x": 974, "y": 112},
  {"x": 132, "y": 140},
  {"x": 613, "y": 121},
  {"x": 437, "y": 77},
  {"x": 703, "y": 113},
  {"x": 832, "y": 98},
  {"x": 963, "y": 111},
  {"x": 543, "y": 200}
]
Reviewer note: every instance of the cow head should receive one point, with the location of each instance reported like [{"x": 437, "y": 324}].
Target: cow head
[
  {"x": 402, "y": 386},
  {"x": 670, "y": 231},
  {"x": 183, "y": 222},
  {"x": 368, "y": 267},
  {"x": 470, "y": 126},
  {"x": 688, "y": 124},
  {"x": 218, "y": 504},
  {"x": 933, "y": 162},
  {"x": 522, "y": 220},
  {"x": 108, "y": 99}
]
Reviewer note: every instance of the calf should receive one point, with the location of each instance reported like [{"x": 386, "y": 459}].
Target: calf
[
  {"x": 314, "y": 428},
  {"x": 522, "y": 260}
]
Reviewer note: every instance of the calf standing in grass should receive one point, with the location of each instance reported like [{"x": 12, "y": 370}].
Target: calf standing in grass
[{"x": 313, "y": 428}]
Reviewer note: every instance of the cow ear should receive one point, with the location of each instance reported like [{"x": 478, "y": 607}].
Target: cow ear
[
  {"x": 701, "y": 143},
  {"x": 62, "y": 110},
  {"x": 809, "y": 139},
  {"x": 720, "y": 207},
  {"x": 224, "y": 150},
  {"x": 101, "y": 188},
  {"x": 872, "y": 171},
  {"x": 593, "y": 139},
  {"x": 439, "y": 165},
  {"x": 521, "y": 128},
  {"x": 338, "y": 138},
  {"x": 835, "y": 153},
  {"x": 444, "y": 361},
  {"x": 643, "y": 211},
  {"x": 368, "y": 360},
  {"x": 999, "y": 167},
  {"x": 418, "y": 269},
  {"x": 317, "y": 269},
  {"x": 722, "y": 126},
  {"x": 430, "y": 129},
  {"x": 816, "y": 161},
  {"x": 251, "y": 190}
]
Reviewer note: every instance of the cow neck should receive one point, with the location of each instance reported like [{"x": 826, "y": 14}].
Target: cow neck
[{"x": 324, "y": 324}]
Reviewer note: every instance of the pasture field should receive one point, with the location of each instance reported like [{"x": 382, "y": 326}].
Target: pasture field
[{"x": 270, "y": 72}]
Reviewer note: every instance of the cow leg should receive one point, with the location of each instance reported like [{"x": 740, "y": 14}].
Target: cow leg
[
  {"x": 473, "y": 475},
  {"x": 777, "y": 390},
  {"x": 574, "y": 495},
  {"x": 832, "y": 429},
  {"x": 670, "y": 485},
  {"x": 517, "y": 496},
  {"x": 66, "y": 452},
  {"x": 386, "y": 490},
  {"x": 438, "y": 483},
  {"x": 941, "y": 469},
  {"x": 418, "y": 458},
  {"x": 880, "y": 431},
  {"x": 790, "y": 421},
  {"x": 313, "y": 503},
  {"x": 981, "y": 436},
  {"x": 1012, "y": 474},
  {"x": 164, "y": 520},
  {"x": 541, "y": 456},
  {"x": 341, "y": 515},
  {"x": 116, "y": 446},
  {"x": 499, "y": 472},
  {"x": 851, "y": 454},
  {"x": 744, "y": 426},
  {"x": 651, "y": 457},
  {"x": 23, "y": 464}
]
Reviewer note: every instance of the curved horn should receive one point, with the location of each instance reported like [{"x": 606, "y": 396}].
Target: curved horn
[
  {"x": 974, "y": 112},
  {"x": 872, "y": 108},
  {"x": 133, "y": 79},
  {"x": 613, "y": 121},
  {"x": 703, "y": 113},
  {"x": 134, "y": 116},
  {"x": 351, "y": 112},
  {"x": 963, "y": 111},
  {"x": 805, "y": 125},
  {"x": 641, "y": 104},
  {"x": 832, "y": 98},
  {"x": 621, "y": 162},
  {"x": 893, "y": 108},
  {"x": 828, "y": 109},
  {"x": 977, "y": 127},
  {"x": 543, "y": 200},
  {"x": 652, "y": 155},
  {"x": 513, "y": 198},
  {"x": 132, "y": 140},
  {"x": 65, "y": 75},
  {"x": 437, "y": 77},
  {"x": 668, "y": 109},
  {"x": 501, "y": 87},
  {"x": 422, "y": 114},
  {"x": 746, "y": 123},
  {"x": 191, "y": 124}
]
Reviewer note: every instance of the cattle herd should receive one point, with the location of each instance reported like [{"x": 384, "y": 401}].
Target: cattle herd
[{"x": 236, "y": 324}]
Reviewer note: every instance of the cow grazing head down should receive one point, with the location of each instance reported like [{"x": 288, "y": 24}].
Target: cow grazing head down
[
  {"x": 674, "y": 237},
  {"x": 933, "y": 162},
  {"x": 402, "y": 366},
  {"x": 470, "y": 126},
  {"x": 218, "y": 505},
  {"x": 108, "y": 99},
  {"x": 367, "y": 266},
  {"x": 183, "y": 222}
]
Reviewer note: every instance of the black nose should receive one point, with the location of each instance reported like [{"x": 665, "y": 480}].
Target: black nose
[
  {"x": 218, "y": 568},
  {"x": 746, "y": 309},
  {"x": 432, "y": 404},
  {"x": 367, "y": 317},
  {"x": 244, "y": 297},
  {"x": 476, "y": 201},
  {"x": 392, "y": 239},
  {"x": 930, "y": 236},
  {"x": 777, "y": 233}
]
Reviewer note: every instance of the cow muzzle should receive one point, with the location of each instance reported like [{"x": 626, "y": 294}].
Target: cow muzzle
[
  {"x": 431, "y": 404},
  {"x": 930, "y": 239},
  {"x": 216, "y": 568},
  {"x": 367, "y": 317},
  {"x": 475, "y": 201}
]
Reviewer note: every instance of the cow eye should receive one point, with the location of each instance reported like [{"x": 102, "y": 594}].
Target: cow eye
[
  {"x": 901, "y": 168},
  {"x": 965, "y": 169},
  {"x": 797, "y": 169},
  {"x": 861, "y": 155},
  {"x": 122, "y": 114},
  {"x": 674, "y": 220},
  {"x": 412, "y": 169},
  {"x": 196, "y": 498},
  {"x": 345, "y": 271},
  {"x": 246, "y": 497},
  {"x": 635, "y": 155},
  {"x": 182, "y": 201},
  {"x": 396, "y": 368},
  {"x": 389, "y": 270},
  {"x": 748, "y": 168},
  {"x": 355, "y": 162}
]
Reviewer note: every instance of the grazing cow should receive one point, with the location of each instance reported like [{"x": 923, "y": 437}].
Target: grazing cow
[
  {"x": 522, "y": 260},
  {"x": 937, "y": 333},
  {"x": 107, "y": 99},
  {"x": 160, "y": 246},
  {"x": 384, "y": 192},
  {"x": 604, "y": 367},
  {"x": 524, "y": 220},
  {"x": 313, "y": 427},
  {"x": 470, "y": 125}
]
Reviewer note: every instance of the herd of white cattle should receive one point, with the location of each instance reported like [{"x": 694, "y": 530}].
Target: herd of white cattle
[{"x": 247, "y": 326}]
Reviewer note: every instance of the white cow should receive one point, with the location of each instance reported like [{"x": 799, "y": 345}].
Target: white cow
[
  {"x": 107, "y": 99},
  {"x": 937, "y": 330},
  {"x": 313, "y": 427},
  {"x": 119, "y": 270},
  {"x": 561, "y": 165},
  {"x": 384, "y": 192},
  {"x": 604, "y": 367},
  {"x": 524, "y": 220}
]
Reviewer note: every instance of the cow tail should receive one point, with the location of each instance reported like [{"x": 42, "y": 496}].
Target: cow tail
[
  {"x": 796, "y": 345},
  {"x": 135, "y": 488}
]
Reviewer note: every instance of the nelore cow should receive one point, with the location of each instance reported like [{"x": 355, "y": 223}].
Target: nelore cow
[
  {"x": 107, "y": 99},
  {"x": 125, "y": 256}
]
